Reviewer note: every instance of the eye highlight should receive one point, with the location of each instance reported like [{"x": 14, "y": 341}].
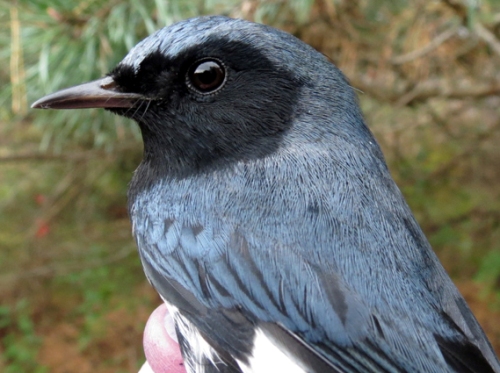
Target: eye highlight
[{"x": 206, "y": 76}]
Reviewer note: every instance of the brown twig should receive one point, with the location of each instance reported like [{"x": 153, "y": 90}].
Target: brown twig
[
  {"x": 488, "y": 37},
  {"x": 28, "y": 157},
  {"x": 59, "y": 269},
  {"x": 436, "y": 42},
  {"x": 17, "y": 73},
  {"x": 424, "y": 90},
  {"x": 482, "y": 32}
]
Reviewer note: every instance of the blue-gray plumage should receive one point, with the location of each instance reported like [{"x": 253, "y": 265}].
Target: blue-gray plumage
[{"x": 264, "y": 206}]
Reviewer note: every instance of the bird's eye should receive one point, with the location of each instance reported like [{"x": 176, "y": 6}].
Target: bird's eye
[{"x": 207, "y": 76}]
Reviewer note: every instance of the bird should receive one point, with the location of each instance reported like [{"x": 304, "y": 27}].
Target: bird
[{"x": 265, "y": 214}]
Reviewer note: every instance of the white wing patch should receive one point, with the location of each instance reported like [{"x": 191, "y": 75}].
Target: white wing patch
[{"x": 268, "y": 358}]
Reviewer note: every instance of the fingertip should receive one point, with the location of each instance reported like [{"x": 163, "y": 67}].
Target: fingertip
[{"x": 162, "y": 351}]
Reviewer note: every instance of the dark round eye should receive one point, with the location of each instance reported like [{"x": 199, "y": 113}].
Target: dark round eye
[{"x": 207, "y": 76}]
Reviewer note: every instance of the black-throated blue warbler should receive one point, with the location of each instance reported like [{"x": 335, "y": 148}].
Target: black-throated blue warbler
[{"x": 265, "y": 214}]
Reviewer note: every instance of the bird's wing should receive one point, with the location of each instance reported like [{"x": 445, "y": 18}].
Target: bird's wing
[
  {"x": 229, "y": 331},
  {"x": 242, "y": 284}
]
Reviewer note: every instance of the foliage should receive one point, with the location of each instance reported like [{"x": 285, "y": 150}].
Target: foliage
[{"x": 21, "y": 342}]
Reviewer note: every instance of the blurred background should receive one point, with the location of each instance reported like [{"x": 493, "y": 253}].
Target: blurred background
[{"x": 73, "y": 297}]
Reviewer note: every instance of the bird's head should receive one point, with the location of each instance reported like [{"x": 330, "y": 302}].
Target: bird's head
[{"x": 210, "y": 90}]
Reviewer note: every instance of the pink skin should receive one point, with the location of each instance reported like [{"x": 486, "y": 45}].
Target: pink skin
[{"x": 162, "y": 352}]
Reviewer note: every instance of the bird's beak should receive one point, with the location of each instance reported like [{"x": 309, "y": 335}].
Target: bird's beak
[{"x": 102, "y": 93}]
